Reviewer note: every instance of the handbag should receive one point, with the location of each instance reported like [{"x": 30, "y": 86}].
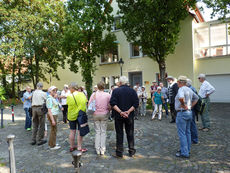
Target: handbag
[
  {"x": 44, "y": 108},
  {"x": 92, "y": 106},
  {"x": 82, "y": 120}
]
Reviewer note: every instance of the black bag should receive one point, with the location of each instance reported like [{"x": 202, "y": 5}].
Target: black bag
[
  {"x": 198, "y": 106},
  {"x": 83, "y": 123},
  {"x": 82, "y": 120},
  {"x": 44, "y": 108}
]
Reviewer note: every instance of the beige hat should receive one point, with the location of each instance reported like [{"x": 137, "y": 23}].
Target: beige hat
[
  {"x": 182, "y": 78},
  {"x": 66, "y": 86},
  {"x": 52, "y": 88},
  {"x": 170, "y": 77},
  {"x": 158, "y": 88},
  {"x": 201, "y": 75},
  {"x": 154, "y": 81}
]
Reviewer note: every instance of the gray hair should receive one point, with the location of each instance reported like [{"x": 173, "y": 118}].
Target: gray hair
[
  {"x": 189, "y": 82},
  {"x": 73, "y": 85},
  {"x": 39, "y": 85},
  {"x": 123, "y": 80}
]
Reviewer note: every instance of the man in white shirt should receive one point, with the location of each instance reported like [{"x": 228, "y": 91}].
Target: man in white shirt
[{"x": 206, "y": 89}]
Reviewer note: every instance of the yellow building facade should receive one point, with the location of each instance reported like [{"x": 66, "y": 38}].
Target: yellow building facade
[{"x": 198, "y": 51}]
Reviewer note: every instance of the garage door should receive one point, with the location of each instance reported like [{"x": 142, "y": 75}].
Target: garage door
[{"x": 222, "y": 86}]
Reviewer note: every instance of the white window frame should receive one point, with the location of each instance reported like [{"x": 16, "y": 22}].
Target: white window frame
[
  {"x": 114, "y": 23},
  {"x": 112, "y": 62},
  {"x": 209, "y": 47},
  {"x": 140, "y": 52}
]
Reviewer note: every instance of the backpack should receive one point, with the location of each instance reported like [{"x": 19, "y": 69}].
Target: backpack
[{"x": 198, "y": 106}]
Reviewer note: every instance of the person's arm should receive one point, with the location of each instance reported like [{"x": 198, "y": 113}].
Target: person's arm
[
  {"x": 195, "y": 99},
  {"x": 122, "y": 114},
  {"x": 162, "y": 98},
  {"x": 91, "y": 98},
  {"x": 49, "y": 106},
  {"x": 153, "y": 100},
  {"x": 183, "y": 103},
  {"x": 210, "y": 89}
]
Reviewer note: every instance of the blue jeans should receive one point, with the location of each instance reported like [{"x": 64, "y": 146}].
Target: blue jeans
[
  {"x": 165, "y": 105},
  {"x": 183, "y": 122},
  {"x": 28, "y": 118},
  {"x": 194, "y": 133}
]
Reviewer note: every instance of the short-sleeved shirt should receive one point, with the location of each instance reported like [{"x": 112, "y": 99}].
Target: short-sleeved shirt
[
  {"x": 75, "y": 107},
  {"x": 39, "y": 98},
  {"x": 27, "y": 102},
  {"x": 164, "y": 92},
  {"x": 157, "y": 98},
  {"x": 65, "y": 94},
  {"x": 52, "y": 103},
  {"x": 206, "y": 88},
  {"x": 188, "y": 95}
]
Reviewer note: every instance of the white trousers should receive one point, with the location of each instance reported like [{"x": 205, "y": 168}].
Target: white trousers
[
  {"x": 157, "y": 108},
  {"x": 100, "y": 125}
]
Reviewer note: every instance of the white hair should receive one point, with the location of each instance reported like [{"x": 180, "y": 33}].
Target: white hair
[
  {"x": 73, "y": 85},
  {"x": 189, "y": 82},
  {"x": 123, "y": 80}
]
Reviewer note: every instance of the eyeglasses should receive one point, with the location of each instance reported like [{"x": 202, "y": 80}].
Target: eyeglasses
[{"x": 198, "y": 77}]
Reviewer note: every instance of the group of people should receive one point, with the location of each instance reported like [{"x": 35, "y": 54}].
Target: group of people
[{"x": 122, "y": 102}]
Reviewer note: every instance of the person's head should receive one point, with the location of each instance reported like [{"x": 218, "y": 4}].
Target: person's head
[
  {"x": 189, "y": 82},
  {"x": 135, "y": 88},
  {"x": 154, "y": 83},
  {"x": 201, "y": 77},
  {"x": 159, "y": 89},
  {"x": 73, "y": 87},
  {"x": 39, "y": 85},
  {"x": 101, "y": 86},
  {"x": 66, "y": 87},
  {"x": 112, "y": 87},
  {"x": 182, "y": 81},
  {"x": 161, "y": 85},
  {"x": 28, "y": 89},
  {"x": 118, "y": 84},
  {"x": 80, "y": 89},
  {"x": 123, "y": 80},
  {"x": 143, "y": 88},
  {"x": 52, "y": 90},
  {"x": 137, "y": 84},
  {"x": 170, "y": 79},
  {"x": 95, "y": 88}
]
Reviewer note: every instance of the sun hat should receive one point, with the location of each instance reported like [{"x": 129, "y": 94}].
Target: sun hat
[
  {"x": 201, "y": 75},
  {"x": 182, "y": 78},
  {"x": 52, "y": 88}
]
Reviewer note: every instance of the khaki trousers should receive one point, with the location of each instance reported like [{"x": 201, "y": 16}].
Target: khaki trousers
[
  {"x": 100, "y": 125},
  {"x": 53, "y": 132},
  {"x": 38, "y": 124}
]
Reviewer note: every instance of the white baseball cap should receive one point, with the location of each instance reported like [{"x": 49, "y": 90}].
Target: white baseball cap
[{"x": 201, "y": 75}]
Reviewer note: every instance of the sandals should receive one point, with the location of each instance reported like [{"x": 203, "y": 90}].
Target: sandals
[
  {"x": 72, "y": 149},
  {"x": 83, "y": 150}
]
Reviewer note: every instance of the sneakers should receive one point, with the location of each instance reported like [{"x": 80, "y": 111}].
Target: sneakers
[
  {"x": 28, "y": 129},
  {"x": 55, "y": 148},
  {"x": 33, "y": 143}
]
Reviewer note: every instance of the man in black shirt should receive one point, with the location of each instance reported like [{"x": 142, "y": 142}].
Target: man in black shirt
[
  {"x": 172, "y": 91},
  {"x": 124, "y": 101}
]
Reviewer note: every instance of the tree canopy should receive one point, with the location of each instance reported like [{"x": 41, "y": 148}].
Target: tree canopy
[{"x": 87, "y": 35}]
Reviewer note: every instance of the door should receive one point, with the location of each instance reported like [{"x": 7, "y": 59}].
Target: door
[
  {"x": 134, "y": 78},
  {"x": 221, "y": 83}
]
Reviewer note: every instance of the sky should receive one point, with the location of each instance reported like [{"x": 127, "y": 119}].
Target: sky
[{"x": 206, "y": 12}]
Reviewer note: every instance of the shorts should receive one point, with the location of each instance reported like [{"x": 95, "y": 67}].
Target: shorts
[{"x": 74, "y": 125}]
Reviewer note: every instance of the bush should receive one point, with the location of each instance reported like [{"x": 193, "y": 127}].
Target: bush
[{"x": 149, "y": 103}]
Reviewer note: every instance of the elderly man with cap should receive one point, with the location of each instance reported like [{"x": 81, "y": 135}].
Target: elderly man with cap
[
  {"x": 53, "y": 111},
  {"x": 184, "y": 102},
  {"x": 38, "y": 100},
  {"x": 172, "y": 92},
  {"x": 65, "y": 92},
  {"x": 206, "y": 89}
]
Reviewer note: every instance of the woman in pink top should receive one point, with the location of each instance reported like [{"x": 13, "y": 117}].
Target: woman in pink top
[{"x": 100, "y": 117}]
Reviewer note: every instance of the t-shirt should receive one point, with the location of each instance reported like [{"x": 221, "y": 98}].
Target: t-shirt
[
  {"x": 27, "y": 102},
  {"x": 188, "y": 95},
  {"x": 157, "y": 98},
  {"x": 65, "y": 94},
  {"x": 75, "y": 107},
  {"x": 52, "y": 103}
]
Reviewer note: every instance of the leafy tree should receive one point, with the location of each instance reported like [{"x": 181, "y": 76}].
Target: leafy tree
[
  {"x": 154, "y": 25},
  {"x": 84, "y": 39}
]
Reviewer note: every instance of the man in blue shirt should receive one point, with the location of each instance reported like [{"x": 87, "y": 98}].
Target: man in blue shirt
[
  {"x": 124, "y": 101},
  {"x": 27, "y": 96}
]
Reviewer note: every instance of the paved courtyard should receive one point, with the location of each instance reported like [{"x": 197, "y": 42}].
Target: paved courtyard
[{"x": 156, "y": 144}]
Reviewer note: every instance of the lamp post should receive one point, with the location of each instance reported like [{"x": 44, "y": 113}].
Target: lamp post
[{"x": 121, "y": 63}]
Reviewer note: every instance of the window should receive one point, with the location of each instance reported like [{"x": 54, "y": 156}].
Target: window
[
  {"x": 136, "y": 51},
  {"x": 106, "y": 80},
  {"x": 117, "y": 23},
  {"x": 211, "y": 40},
  {"x": 110, "y": 56}
]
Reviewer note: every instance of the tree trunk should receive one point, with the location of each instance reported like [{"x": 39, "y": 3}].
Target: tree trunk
[
  {"x": 36, "y": 71},
  {"x": 162, "y": 69}
]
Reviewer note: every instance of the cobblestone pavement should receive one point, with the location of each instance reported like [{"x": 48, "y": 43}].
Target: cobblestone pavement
[{"x": 156, "y": 144}]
